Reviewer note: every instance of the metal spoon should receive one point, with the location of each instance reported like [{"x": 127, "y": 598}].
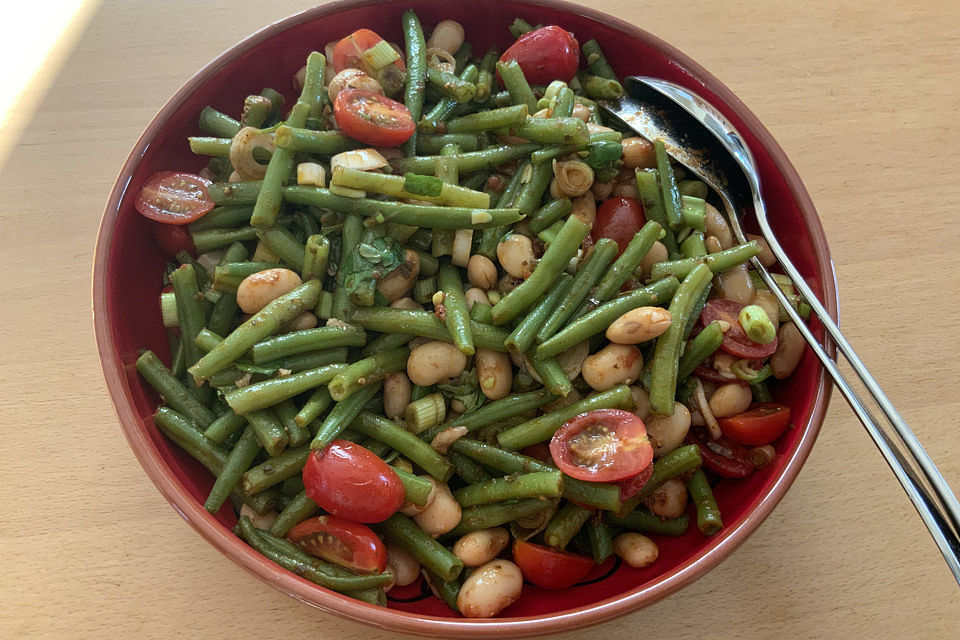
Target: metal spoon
[{"x": 700, "y": 138}]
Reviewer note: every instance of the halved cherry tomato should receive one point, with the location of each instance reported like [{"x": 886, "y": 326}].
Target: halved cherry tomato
[
  {"x": 173, "y": 238},
  {"x": 603, "y": 445},
  {"x": 174, "y": 197},
  {"x": 351, "y": 482},
  {"x": 341, "y": 542},
  {"x": 722, "y": 456},
  {"x": 547, "y": 54},
  {"x": 761, "y": 424},
  {"x": 348, "y": 54},
  {"x": 735, "y": 340},
  {"x": 372, "y": 118},
  {"x": 618, "y": 219},
  {"x": 548, "y": 568},
  {"x": 632, "y": 485}
]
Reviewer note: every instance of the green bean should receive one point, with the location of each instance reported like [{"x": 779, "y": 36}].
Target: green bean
[
  {"x": 602, "y": 88},
  {"x": 218, "y": 124},
  {"x": 428, "y": 552},
  {"x": 445, "y": 107},
  {"x": 538, "y": 484},
  {"x": 284, "y": 244},
  {"x": 522, "y": 337},
  {"x": 666, "y": 355},
  {"x": 553, "y": 262},
  {"x": 708, "y": 513},
  {"x": 543, "y": 427},
  {"x": 467, "y": 162},
  {"x": 604, "y": 251},
  {"x": 485, "y": 516},
  {"x": 297, "y": 510},
  {"x": 466, "y": 468},
  {"x": 504, "y": 117},
  {"x": 433, "y": 143},
  {"x": 700, "y": 348},
  {"x": 416, "y": 85},
  {"x": 651, "y": 197},
  {"x": 235, "y": 193},
  {"x": 550, "y": 213},
  {"x": 597, "y": 321},
  {"x": 372, "y": 369},
  {"x": 190, "y": 312},
  {"x": 511, "y": 75},
  {"x": 678, "y": 462},
  {"x": 173, "y": 392},
  {"x": 591, "y": 494},
  {"x": 269, "y": 431},
  {"x": 325, "y": 143},
  {"x": 409, "y": 445},
  {"x": 451, "y": 86},
  {"x": 552, "y": 374},
  {"x": 456, "y": 318},
  {"x": 485, "y": 77},
  {"x": 412, "y": 214},
  {"x": 642, "y": 520},
  {"x": 185, "y": 435},
  {"x": 601, "y": 540},
  {"x": 263, "y": 323},
  {"x": 593, "y": 56},
  {"x": 424, "y": 324},
  {"x": 269, "y": 392},
  {"x": 342, "y": 414},
  {"x": 286, "y": 412},
  {"x": 226, "y": 424},
  {"x": 565, "y": 524},
  {"x": 623, "y": 268},
  {"x": 416, "y": 489},
  {"x": 239, "y": 460},
  {"x": 496, "y": 411},
  {"x": 307, "y": 340},
  {"x": 271, "y": 193},
  {"x": 275, "y": 470}
]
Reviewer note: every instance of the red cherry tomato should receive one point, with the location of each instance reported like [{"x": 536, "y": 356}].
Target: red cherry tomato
[
  {"x": 174, "y": 197},
  {"x": 372, "y": 118},
  {"x": 348, "y": 54},
  {"x": 722, "y": 456},
  {"x": 545, "y": 55},
  {"x": 173, "y": 238},
  {"x": 341, "y": 542},
  {"x": 603, "y": 445},
  {"x": 351, "y": 482},
  {"x": 548, "y": 568},
  {"x": 618, "y": 219},
  {"x": 761, "y": 424},
  {"x": 735, "y": 340},
  {"x": 632, "y": 485}
]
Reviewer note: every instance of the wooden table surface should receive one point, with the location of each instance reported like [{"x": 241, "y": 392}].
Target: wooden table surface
[{"x": 863, "y": 99}]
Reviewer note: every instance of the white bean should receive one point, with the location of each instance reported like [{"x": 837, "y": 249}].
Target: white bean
[
  {"x": 447, "y": 35},
  {"x": 730, "y": 399},
  {"x": 480, "y": 547},
  {"x": 443, "y": 513},
  {"x": 667, "y": 432},
  {"x": 516, "y": 256},
  {"x": 635, "y": 549},
  {"x": 435, "y": 362},
  {"x": 614, "y": 364},
  {"x": 481, "y": 272},
  {"x": 260, "y": 289},
  {"x": 790, "y": 345},
  {"x": 657, "y": 253},
  {"x": 494, "y": 373},
  {"x": 490, "y": 589},
  {"x": 737, "y": 285},
  {"x": 718, "y": 228},
  {"x": 398, "y": 282},
  {"x": 639, "y": 325},
  {"x": 396, "y": 394},
  {"x": 404, "y": 566},
  {"x": 642, "y": 401},
  {"x": 669, "y": 500}
]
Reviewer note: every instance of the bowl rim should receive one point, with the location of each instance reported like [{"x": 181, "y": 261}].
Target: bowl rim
[{"x": 331, "y": 602}]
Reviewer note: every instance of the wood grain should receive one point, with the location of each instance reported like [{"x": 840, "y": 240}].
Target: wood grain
[{"x": 862, "y": 98}]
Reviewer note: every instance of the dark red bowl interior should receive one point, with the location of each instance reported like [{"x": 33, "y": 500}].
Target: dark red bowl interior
[{"x": 127, "y": 280}]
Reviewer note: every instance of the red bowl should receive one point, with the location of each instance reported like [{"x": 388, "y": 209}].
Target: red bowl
[{"x": 128, "y": 267}]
